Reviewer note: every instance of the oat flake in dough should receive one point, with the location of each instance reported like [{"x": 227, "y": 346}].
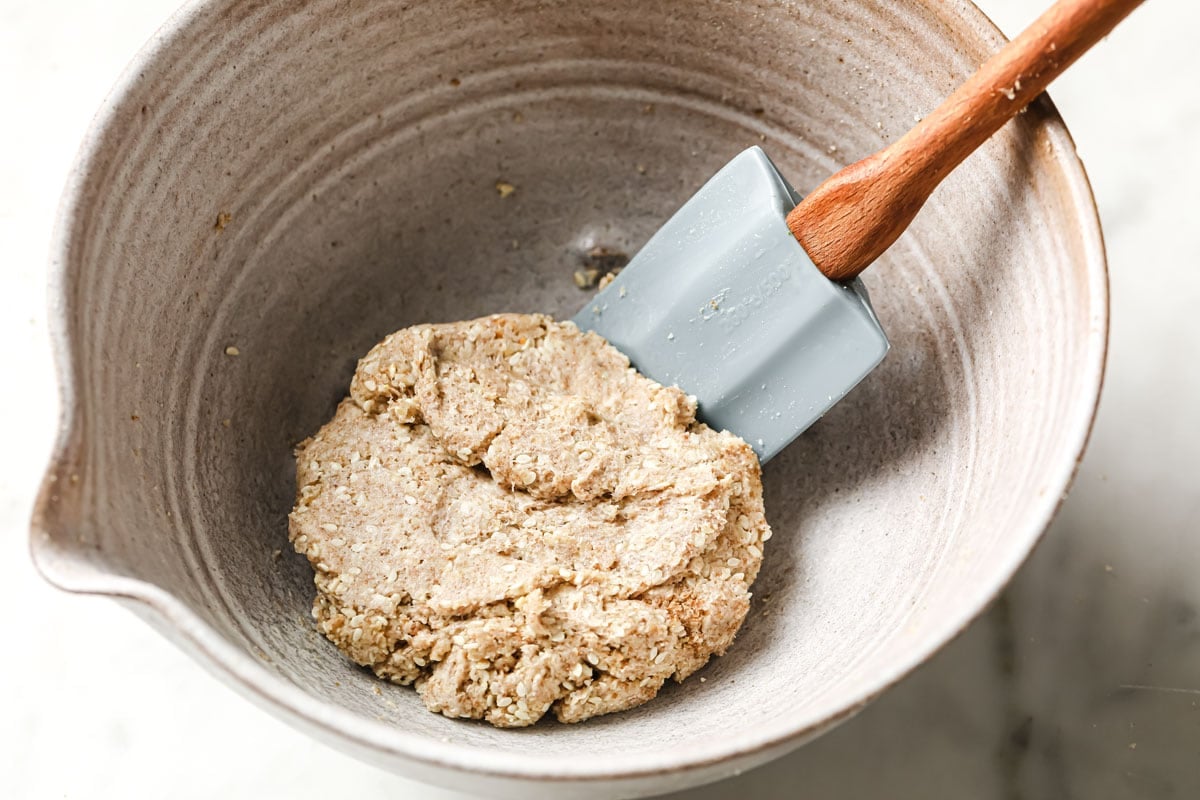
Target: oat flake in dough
[{"x": 507, "y": 515}]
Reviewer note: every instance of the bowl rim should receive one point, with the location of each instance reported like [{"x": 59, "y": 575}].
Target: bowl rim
[{"x": 335, "y": 725}]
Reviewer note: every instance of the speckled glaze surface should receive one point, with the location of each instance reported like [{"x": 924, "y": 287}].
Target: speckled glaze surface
[{"x": 297, "y": 180}]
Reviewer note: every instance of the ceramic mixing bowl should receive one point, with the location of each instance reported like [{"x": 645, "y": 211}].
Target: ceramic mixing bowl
[{"x": 273, "y": 186}]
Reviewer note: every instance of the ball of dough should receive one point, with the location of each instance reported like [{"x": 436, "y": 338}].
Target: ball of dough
[{"x": 507, "y": 515}]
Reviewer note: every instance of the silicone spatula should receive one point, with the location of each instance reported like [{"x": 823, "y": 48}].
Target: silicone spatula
[{"x": 749, "y": 297}]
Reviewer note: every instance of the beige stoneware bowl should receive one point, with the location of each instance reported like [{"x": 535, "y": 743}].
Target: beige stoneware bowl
[{"x": 295, "y": 180}]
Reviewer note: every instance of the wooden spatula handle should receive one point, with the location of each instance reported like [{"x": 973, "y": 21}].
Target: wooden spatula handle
[{"x": 850, "y": 219}]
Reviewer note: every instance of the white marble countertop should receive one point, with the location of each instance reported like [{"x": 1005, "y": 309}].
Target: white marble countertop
[{"x": 1082, "y": 682}]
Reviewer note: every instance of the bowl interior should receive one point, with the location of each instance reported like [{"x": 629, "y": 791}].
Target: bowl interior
[{"x": 296, "y": 182}]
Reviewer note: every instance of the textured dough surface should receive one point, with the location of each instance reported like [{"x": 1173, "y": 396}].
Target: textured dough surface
[{"x": 507, "y": 515}]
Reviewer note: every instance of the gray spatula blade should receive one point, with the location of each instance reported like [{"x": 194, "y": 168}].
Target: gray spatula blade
[{"x": 725, "y": 304}]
